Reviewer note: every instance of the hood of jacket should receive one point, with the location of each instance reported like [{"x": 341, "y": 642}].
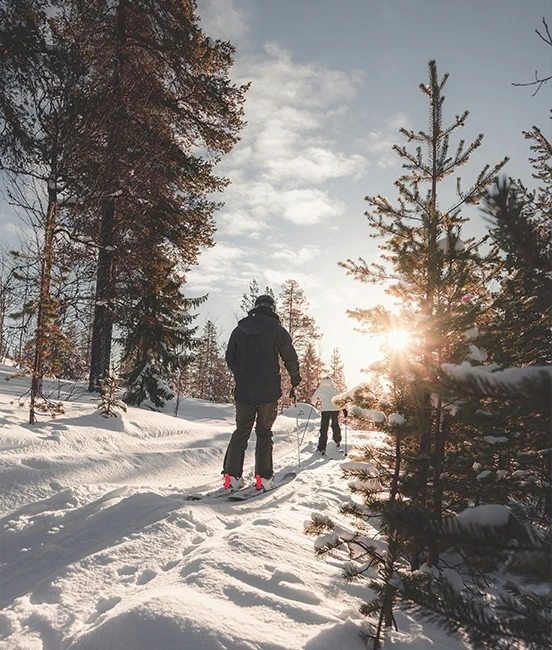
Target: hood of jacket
[{"x": 259, "y": 321}]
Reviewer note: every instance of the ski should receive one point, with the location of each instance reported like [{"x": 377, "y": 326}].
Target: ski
[
  {"x": 252, "y": 493},
  {"x": 214, "y": 494},
  {"x": 244, "y": 493}
]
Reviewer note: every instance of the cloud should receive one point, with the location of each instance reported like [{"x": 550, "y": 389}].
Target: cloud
[
  {"x": 380, "y": 143},
  {"x": 263, "y": 205},
  {"x": 296, "y": 257},
  {"x": 295, "y": 143},
  {"x": 13, "y": 234},
  {"x": 291, "y": 110},
  {"x": 216, "y": 266},
  {"x": 238, "y": 223},
  {"x": 224, "y": 19},
  {"x": 315, "y": 165},
  {"x": 277, "y": 277},
  {"x": 308, "y": 206},
  {"x": 291, "y": 142}
]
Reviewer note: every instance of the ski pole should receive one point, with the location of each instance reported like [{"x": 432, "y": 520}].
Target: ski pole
[
  {"x": 297, "y": 432},
  {"x": 307, "y": 424},
  {"x": 294, "y": 397}
]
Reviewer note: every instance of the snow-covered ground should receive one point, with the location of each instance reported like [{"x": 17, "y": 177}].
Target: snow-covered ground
[{"x": 99, "y": 551}]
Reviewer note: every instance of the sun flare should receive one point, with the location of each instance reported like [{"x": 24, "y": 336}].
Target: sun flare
[{"x": 397, "y": 339}]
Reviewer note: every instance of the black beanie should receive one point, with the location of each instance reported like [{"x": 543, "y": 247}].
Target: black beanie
[{"x": 266, "y": 301}]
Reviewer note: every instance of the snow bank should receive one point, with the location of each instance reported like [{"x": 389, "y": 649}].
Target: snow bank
[{"x": 486, "y": 515}]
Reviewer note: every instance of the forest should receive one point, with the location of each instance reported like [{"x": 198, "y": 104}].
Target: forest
[{"x": 113, "y": 119}]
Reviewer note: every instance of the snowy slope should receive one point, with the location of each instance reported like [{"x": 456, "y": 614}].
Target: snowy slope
[{"x": 99, "y": 551}]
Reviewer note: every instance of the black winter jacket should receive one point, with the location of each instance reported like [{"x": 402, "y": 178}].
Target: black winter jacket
[{"x": 252, "y": 356}]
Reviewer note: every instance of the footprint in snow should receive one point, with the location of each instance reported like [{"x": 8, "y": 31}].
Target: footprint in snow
[
  {"x": 263, "y": 522},
  {"x": 170, "y": 565},
  {"x": 233, "y": 523},
  {"x": 145, "y": 577},
  {"x": 127, "y": 570},
  {"x": 196, "y": 541},
  {"x": 102, "y": 606}
]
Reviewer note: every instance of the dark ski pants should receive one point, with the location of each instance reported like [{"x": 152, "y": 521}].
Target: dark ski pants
[
  {"x": 336, "y": 429},
  {"x": 246, "y": 414}
]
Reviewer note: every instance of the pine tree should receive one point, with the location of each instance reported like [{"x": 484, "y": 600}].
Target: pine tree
[
  {"x": 516, "y": 469},
  {"x": 292, "y": 309},
  {"x": 439, "y": 280},
  {"x": 40, "y": 118},
  {"x": 161, "y": 95},
  {"x": 206, "y": 366},
  {"x": 337, "y": 370},
  {"x": 248, "y": 299},
  {"x": 8, "y": 302},
  {"x": 223, "y": 382},
  {"x": 440, "y": 283},
  {"x": 312, "y": 371},
  {"x": 109, "y": 403}
]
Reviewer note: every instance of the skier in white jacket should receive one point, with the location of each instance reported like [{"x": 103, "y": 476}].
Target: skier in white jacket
[{"x": 324, "y": 394}]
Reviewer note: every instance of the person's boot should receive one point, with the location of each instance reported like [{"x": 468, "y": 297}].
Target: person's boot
[
  {"x": 265, "y": 484},
  {"x": 233, "y": 483}
]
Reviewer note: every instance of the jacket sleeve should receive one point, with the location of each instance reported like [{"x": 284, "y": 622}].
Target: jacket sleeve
[
  {"x": 289, "y": 357},
  {"x": 232, "y": 353}
]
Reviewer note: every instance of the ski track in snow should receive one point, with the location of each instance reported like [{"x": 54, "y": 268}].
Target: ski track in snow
[{"x": 99, "y": 549}]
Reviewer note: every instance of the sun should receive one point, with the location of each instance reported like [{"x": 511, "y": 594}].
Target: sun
[{"x": 397, "y": 339}]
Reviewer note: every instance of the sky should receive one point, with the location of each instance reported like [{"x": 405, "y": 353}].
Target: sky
[
  {"x": 99, "y": 548},
  {"x": 331, "y": 85}
]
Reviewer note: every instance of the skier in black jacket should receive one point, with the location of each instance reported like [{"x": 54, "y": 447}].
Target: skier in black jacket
[{"x": 252, "y": 355}]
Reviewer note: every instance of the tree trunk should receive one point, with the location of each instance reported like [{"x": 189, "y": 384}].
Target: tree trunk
[
  {"x": 438, "y": 467},
  {"x": 100, "y": 353},
  {"x": 44, "y": 298},
  {"x": 397, "y": 469}
]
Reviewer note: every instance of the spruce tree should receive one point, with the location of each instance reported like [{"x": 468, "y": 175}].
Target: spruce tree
[
  {"x": 248, "y": 299},
  {"x": 438, "y": 279},
  {"x": 157, "y": 337},
  {"x": 206, "y": 367},
  {"x": 109, "y": 403},
  {"x": 439, "y": 282}
]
